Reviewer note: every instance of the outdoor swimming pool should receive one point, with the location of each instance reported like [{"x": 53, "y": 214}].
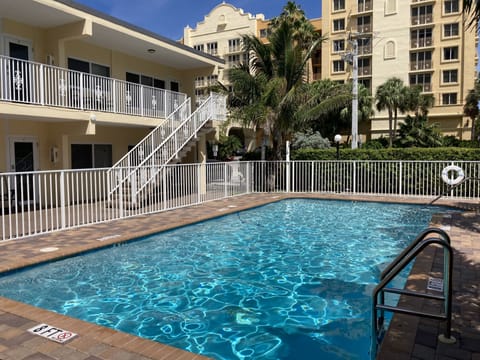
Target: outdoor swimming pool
[{"x": 288, "y": 280}]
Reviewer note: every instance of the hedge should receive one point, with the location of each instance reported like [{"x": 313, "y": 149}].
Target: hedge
[{"x": 425, "y": 154}]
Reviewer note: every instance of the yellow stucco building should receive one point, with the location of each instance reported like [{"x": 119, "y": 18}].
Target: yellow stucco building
[
  {"x": 422, "y": 42},
  {"x": 79, "y": 88}
]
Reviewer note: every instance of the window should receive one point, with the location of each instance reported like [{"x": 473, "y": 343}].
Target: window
[
  {"x": 264, "y": 33},
  {"x": 199, "y": 81},
  {"x": 212, "y": 48},
  {"x": 233, "y": 60},
  {"x": 338, "y": 5},
  {"x": 367, "y": 83},
  {"x": 390, "y": 50},
  {"x": 450, "y": 76},
  {"x": 421, "y": 38},
  {"x": 363, "y": 24},
  {"x": 450, "y": 53},
  {"x": 338, "y": 24},
  {"x": 450, "y": 30},
  {"x": 87, "y": 156},
  {"x": 234, "y": 45},
  {"x": 338, "y": 45},
  {"x": 364, "y": 46},
  {"x": 421, "y": 60},
  {"x": 364, "y": 5},
  {"x": 424, "y": 80},
  {"x": 449, "y": 99},
  {"x": 422, "y": 15},
  {"x": 199, "y": 47},
  {"x": 451, "y": 6},
  {"x": 145, "y": 80},
  {"x": 364, "y": 67},
  {"x": 89, "y": 68},
  {"x": 212, "y": 79},
  {"x": 174, "y": 86},
  {"x": 391, "y": 6},
  {"x": 338, "y": 66}
]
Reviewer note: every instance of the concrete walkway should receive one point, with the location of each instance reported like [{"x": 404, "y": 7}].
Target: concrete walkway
[{"x": 408, "y": 338}]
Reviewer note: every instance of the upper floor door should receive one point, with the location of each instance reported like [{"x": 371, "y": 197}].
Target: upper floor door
[{"x": 18, "y": 69}]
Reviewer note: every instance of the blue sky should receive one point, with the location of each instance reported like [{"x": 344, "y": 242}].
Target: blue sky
[{"x": 169, "y": 17}]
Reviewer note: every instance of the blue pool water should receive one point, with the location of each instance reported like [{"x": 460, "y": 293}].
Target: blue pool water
[{"x": 289, "y": 280}]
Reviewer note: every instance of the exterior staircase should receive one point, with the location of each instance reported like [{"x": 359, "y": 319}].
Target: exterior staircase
[{"x": 134, "y": 177}]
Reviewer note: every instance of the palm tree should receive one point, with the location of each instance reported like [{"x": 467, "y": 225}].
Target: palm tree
[
  {"x": 270, "y": 91},
  {"x": 392, "y": 96},
  {"x": 470, "y": 108},
  {"x": 416, "y": 132},
  {"x": 417, "y": 102},
  {"x": 472, "y": 8}
]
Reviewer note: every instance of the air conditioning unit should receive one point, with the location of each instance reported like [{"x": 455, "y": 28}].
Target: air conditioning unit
[
  {"x": 50, "y": 60},
  {"x": 415, "y": 67}
]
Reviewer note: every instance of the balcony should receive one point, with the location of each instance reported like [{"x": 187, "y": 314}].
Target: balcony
[
  {"x": 426, "y": 87},
  {"x": 365, "y": 71},
  {"x": 422, "y": 19},
  {"x": 421, "y": 65},
  {"x": 362, "y": 29},
  {"x": 422, "y": 42},
  {"x": 365, "y": 49},
  {"x": 365, "y": 6},
  {"x": 39, "y": 84}
]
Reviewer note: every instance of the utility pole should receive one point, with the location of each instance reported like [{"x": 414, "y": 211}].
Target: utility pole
[
  {"x": 355, "y": 95},
  {"x": 352, "y": 58}
]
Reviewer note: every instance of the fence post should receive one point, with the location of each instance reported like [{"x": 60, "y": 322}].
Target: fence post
[
  {"x": 400, "y": 184},
  {"x": 225, "y": 178},
  {"x": 62, "y": 200},
  {"x": 42, "y": 84},
  {"x": 354, "y": 190}
]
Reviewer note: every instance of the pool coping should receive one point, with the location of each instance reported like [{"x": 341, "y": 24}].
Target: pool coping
[{"x": 16, "y": 318}]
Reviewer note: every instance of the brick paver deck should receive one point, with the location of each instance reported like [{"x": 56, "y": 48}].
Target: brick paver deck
[{"x": 408, "y": 337}]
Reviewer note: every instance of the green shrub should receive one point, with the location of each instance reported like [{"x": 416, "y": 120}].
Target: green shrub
[{"x": 425, "y": 154}]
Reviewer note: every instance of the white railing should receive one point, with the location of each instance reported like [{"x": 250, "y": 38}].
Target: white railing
[
  {"x": 141, "y": 164},
  {"x": 40, "y": 84},
  {"x": 45, "y": 201}
]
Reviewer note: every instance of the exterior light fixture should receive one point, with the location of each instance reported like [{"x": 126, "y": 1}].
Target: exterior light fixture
[
  {"x": 337, "y": 140},
  {"x": 215, "y": 150},
  {"x": 151, "y": 51}
]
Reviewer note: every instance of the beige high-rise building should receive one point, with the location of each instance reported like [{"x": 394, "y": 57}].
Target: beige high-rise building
[{"x": 422, "y": 42}]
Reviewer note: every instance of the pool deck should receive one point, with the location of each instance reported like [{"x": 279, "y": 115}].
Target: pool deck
[{"x": 408, "y": 338}]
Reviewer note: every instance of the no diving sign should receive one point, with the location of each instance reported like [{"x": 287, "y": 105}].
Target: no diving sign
[{"x": 52, "y": 333}]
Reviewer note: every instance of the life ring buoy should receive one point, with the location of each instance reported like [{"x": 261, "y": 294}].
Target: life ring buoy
[{"x": 458, "y": 172}]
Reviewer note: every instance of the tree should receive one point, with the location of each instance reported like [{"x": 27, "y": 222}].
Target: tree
[
  {"x": 472, "y": 8},
  {"x": 416, "y": 132},
  {"x": 470, "y": 108},
  {"x": 417, "y": 102},
  {"x": 270, "y": 92},
  {"x": 392, "y": 96}
]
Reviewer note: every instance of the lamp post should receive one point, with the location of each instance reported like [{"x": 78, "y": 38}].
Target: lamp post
[
  {"x": 337, "y": 140},
  {"x": 215, "y": 150}
]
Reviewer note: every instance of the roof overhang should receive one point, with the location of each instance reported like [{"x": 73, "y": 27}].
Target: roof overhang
[{"x": 107, "y": 32}]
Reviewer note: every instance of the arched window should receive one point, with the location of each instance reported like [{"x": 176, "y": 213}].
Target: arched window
[{"x": 390, "y": 50}]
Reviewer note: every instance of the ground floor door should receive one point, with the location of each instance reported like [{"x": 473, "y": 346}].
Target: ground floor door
[{"x": 24, "y": 158}]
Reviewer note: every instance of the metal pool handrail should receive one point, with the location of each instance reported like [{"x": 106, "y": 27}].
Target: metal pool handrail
[{"x": 400, "y": 262}]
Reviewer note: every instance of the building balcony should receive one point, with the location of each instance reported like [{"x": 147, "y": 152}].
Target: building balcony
[
  {"x": 39, "y": 84},
  {"x": 365, "y": 50},
  {"x": 426, "y": 87},
  {"x": 365, "y": 71},
  {"x": 422, "y": 42},
  {"x": 422, "y": 19},
  {"x": 421, "y": 65},
  {"x": 365, "y": 6},
  {"x": 362, "y": 29}
]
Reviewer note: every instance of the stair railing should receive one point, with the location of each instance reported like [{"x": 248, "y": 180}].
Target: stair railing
[
  {"x": 141, "y": 164},
  {"x": 400, "y": 262}
]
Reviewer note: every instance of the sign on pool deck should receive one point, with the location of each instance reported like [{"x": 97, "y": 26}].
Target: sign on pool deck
[{"x": 52, "y": 333}]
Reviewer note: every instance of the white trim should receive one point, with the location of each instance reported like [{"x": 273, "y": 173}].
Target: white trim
[{"x": 7, "y": 39}]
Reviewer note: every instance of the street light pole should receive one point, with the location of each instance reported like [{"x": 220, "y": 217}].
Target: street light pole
[{"x": 337, "y": 140}]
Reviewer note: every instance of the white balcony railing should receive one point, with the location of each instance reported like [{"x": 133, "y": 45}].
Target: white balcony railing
[
  {"x": 41, "y": 202},
  {"x": 34, "y": 83}
]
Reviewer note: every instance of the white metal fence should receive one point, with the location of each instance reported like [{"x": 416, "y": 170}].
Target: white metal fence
[
  {"x": 40, "y": 84},
  {"x": 45, "y": 201}
]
